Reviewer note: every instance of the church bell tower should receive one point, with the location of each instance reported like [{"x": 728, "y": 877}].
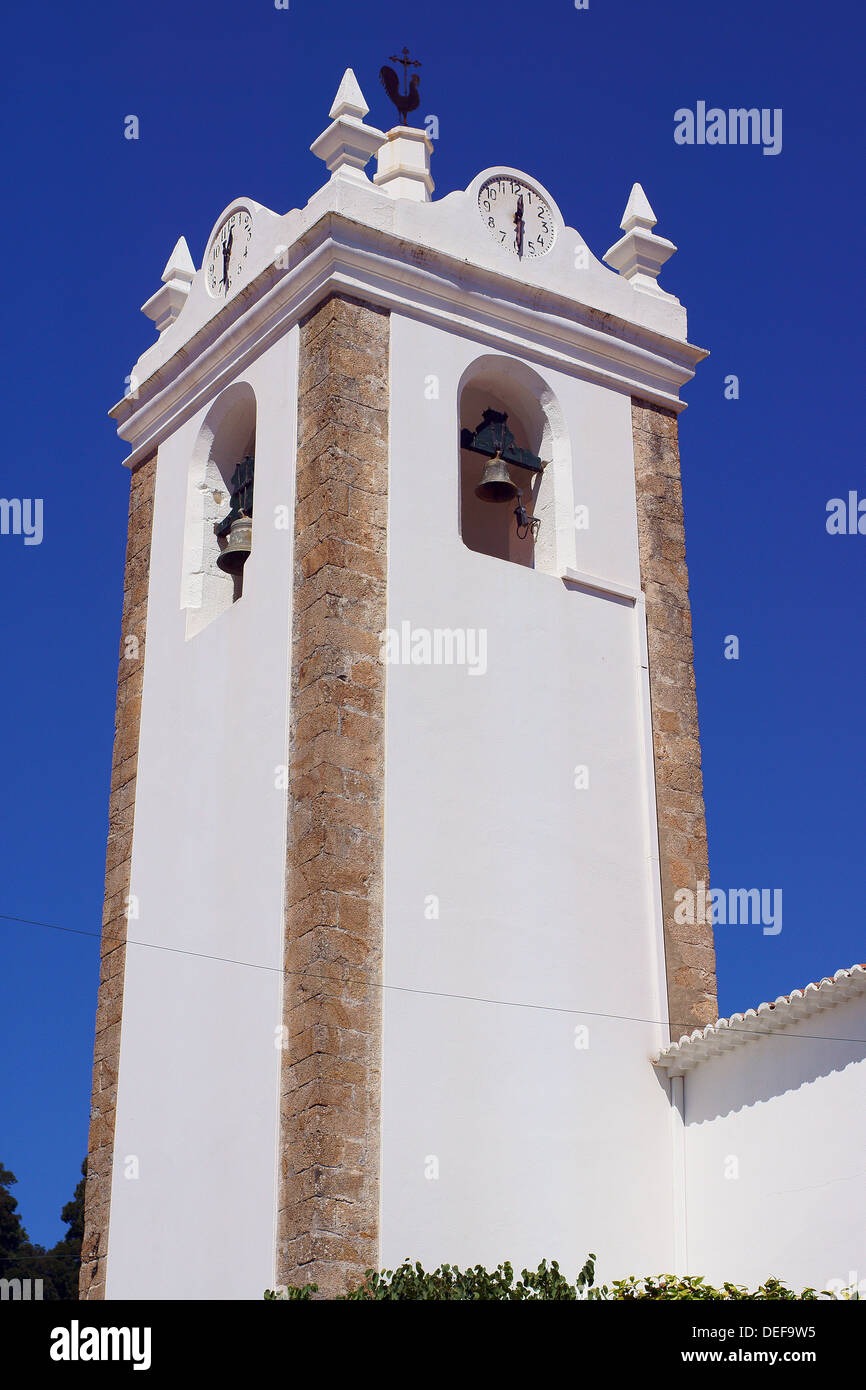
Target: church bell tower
[{"x": 406, "y": 769}]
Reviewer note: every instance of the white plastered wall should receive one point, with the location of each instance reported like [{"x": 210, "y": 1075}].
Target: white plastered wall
[
  {"x": 545, "y": 893},
  {"x": 198, "y": 1100},
  {"x": 775, "y": 1156}
]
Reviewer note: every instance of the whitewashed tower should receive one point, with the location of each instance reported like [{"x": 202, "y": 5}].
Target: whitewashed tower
[{"x": 400, "y": 803}]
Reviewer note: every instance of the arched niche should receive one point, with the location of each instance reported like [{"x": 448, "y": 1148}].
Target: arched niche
[
  {"x": 536, "y": 420},
  {"x": 227, "y": 434}
]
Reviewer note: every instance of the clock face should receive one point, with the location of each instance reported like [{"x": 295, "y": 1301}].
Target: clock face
[
  {"x": 517, "y": 216},
  {"x": 226, "y": 259}
]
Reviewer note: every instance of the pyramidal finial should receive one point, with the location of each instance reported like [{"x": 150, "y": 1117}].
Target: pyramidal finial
[
  {"x": 164, "y": 306},
  {"x": 639, "y": 255},
  {"x": 179, "y": 265},
  {"x": 349, "y": 100},
  {"x": 638, "y": 212},
  {"x": 348, "y": 144}
]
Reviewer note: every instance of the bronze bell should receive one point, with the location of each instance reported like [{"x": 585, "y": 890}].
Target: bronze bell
[
  {"x": 240, "y": 543},
  {"x": 496, "y": 484}
]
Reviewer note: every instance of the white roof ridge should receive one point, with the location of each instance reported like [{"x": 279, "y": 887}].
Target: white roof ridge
[{"x": 771, "y": 1016}]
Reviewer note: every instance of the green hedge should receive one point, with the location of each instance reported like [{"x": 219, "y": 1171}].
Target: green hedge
[{"x": 412, "y": 1282}]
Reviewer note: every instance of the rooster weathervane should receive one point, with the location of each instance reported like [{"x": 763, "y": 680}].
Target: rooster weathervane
[{"x": 409, "y": 99}]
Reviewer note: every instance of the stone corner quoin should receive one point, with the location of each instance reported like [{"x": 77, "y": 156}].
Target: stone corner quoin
[
  {"x": 121, "y": 811},
  {"x": 689, "y": 950},
  {"x": 330, "y": 1092}
]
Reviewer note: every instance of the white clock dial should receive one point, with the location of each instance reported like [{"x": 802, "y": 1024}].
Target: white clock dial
[
  {"x": 226, "y": 259},
  {"x": 517, "y": 216}
]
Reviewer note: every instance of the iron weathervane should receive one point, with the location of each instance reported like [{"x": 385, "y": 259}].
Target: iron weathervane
[{"x": 410, "y": 98}]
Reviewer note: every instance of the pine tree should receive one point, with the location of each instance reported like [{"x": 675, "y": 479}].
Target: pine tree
[
  {"x": 13, "y": 1237},
  {"x": 66, "y": 1255},
  {"x": 21, "y": 1259}
]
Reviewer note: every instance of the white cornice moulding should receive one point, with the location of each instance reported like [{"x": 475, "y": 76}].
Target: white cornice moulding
[
  {"x": 601, "y": 586},
  {"x": 338, "y": 253}
]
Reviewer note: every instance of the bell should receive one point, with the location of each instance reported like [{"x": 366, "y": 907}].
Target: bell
[
  {"x": 239, "y": 544},
  {"x": 496, "y": 483}
]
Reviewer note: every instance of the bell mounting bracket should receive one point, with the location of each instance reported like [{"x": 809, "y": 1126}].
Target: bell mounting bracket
[
  {"x": 493, "y": 437},
  {"x": 241, "y": 493}
]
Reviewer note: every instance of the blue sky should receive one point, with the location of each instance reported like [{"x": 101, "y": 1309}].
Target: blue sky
[{"x": 229, "y": 97}]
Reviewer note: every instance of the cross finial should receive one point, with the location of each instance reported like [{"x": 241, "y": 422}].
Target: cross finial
[
  {"x": 406, "y": 63},
  {"x": 409, "y": 99}
]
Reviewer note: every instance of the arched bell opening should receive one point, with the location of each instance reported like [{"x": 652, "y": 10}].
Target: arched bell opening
[
  {"x": 219, "y": 519},
  {"x": 514, "y": 457}
]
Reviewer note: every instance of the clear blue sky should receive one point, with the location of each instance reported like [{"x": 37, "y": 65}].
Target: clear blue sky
[{"x": 229, "y": 97}]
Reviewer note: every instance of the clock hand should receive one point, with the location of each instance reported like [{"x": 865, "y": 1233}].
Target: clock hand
[
  {"x": 518, "y": 222},
  {"x": 227, "y": 255}
]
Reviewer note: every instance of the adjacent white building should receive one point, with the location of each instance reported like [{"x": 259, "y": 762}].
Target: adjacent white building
[{"x": 769, "y": 1119}]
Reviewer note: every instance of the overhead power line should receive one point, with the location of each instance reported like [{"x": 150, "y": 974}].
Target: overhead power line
[{"x": 408, "y": 989}]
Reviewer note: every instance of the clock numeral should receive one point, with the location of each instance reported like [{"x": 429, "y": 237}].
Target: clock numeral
[{"x": 491, "y": 222}]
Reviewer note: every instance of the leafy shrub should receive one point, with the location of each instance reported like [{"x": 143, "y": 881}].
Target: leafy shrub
[
  {"x": 412, "y": 1283},
  {"x": 668, "y": 1286}
]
